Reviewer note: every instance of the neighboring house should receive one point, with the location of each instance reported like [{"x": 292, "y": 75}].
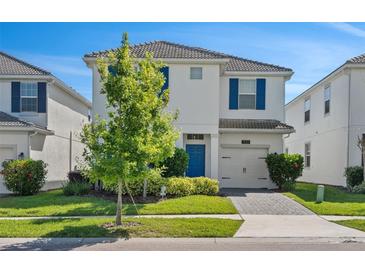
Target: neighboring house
[
  {"x": 329, "y": 119},
  {"x": 231, "y": 110},
  {"x": 40, "y": 118}
]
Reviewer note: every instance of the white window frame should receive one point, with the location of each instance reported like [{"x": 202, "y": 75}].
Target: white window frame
[
  {"x": 327, "y": 89},
  {"x": 307, "y": 153},
  {"x": 193, "y": 76},
  {"x": 246, "y": 93},
  {"x": 28, "y": 96}
]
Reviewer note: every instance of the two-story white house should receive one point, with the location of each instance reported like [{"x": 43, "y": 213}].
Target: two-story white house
[
  {"x": 329, "y": 119},
  {"x": 40, "y": 118},
  {"x": 231, "y": 110}
]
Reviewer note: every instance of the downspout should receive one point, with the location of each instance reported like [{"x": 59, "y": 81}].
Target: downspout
[{"x": 348, "y": 120}]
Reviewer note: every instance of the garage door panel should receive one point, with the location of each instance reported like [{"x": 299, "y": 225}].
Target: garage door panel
[{"x": 244, "y": 168}]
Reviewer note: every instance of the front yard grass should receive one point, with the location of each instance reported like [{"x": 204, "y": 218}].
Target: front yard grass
[
  {"x": 357, "y": 224},
  {"x": 54, "y": 203},
  {"x": 134, "y": 227},
  {"x": 336, "y": 200}
]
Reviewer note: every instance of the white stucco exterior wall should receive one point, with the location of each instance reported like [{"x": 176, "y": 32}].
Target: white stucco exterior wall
[
  {"x": 333, "y": 136},
  {"x": 275, "y": 96},
  {"x": 65, "y": 114}
]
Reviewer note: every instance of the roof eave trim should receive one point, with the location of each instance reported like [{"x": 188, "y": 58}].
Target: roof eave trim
[
  {"x": 27, "y": 129},
  {"x": 258, "y": 73},
  {"x": 329, "y": 76},
  {"x": 91, "y": 60},
  {"x": 254, "y": 130},
  {"x": 26, "y": 76}
]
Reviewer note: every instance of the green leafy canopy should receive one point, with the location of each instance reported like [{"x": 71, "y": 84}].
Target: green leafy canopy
[{"x": 139, "y": 129}]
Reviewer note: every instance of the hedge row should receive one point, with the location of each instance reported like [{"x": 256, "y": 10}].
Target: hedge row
[{"x": 175, "y": 186}]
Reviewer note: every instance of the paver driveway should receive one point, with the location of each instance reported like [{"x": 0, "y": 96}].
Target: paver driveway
[{"x": 264, "y": 202}]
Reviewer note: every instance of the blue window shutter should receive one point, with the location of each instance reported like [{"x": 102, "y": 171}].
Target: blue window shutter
[
  {"x": 15, "y": 96},
  {"x": 260, "y": 93},
  {"x": 233, "y": 93},
  {"x": 112, "y": 70},
  {"x": 42, "y": 97},
  {"x": 165, "y": 72}
]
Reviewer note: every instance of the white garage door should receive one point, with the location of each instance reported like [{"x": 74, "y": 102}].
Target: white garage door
[
  {"x": 6, "y": 153},
  {"x": 244, "y": 168}
]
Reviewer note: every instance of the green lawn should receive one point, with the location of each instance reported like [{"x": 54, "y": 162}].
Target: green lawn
[
  {"x": 54, "y": 203},
  {"x": 357, "y": 224},
  {"x": 135, "y": 227},
  {"x": 337, "y": 201}
]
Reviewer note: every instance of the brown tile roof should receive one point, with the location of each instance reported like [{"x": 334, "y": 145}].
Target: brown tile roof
[
  {"x": 357, "y": 60},
  {"x": 253, "y": 124},
  {"x": 163, "y": 49},
  {"x": 9, "y": 65},
  {"x": 7, "y": 120}
]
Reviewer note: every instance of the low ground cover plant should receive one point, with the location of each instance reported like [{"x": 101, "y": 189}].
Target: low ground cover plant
[
  {"x": 284, "y": 169},
  {"x": 24, "y": 177},
  {"x": 77, "y": 184}
]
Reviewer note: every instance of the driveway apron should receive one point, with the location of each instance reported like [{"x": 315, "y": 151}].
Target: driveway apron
[{"x": 271, "y": 214}]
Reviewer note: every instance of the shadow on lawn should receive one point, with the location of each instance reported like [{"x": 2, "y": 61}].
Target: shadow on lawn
[{"x": 68, "y": 237}]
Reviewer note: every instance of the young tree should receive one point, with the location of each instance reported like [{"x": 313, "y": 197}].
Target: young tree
[{"x": 138, "y": 131}]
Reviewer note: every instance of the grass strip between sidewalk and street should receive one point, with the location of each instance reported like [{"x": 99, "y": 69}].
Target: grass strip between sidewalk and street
[
  {"x": 54, "y": 203},
  {"x": 354, "y": 223},
  {"x": 133, "y": 227},
  {"x": 337, "y": 201}
]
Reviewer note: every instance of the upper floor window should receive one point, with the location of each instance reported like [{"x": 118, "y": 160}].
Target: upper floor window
[
  {"x": 196, "y": 73},
  {"x": 327, "y": 99},
  {"x": 28, "y": 97},
  {"x": 247, "y": 94},
  {"x": 307, "y": 155},
  {"x": 307, "y": 109}
]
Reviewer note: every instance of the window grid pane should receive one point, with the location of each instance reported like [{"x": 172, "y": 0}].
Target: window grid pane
[
  {"x": 28, "y": 89},
  {"x": 247, "y": 87},
  {"x": 307, "y": 105},
  {"x": 29, "y": 104},
  {"x": 196, "y": 73},
  {"x": 247, "y": 101}
]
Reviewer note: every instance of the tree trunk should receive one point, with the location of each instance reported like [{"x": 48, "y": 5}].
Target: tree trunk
[
  {"x": 118, "y": 216},
  {"x": 145, "y": 189}
]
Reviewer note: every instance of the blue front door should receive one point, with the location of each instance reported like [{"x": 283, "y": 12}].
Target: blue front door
[{"x": 196, "y": 165}]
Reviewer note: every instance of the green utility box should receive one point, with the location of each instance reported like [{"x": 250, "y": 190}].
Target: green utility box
[{"x": 320, "y": 194}]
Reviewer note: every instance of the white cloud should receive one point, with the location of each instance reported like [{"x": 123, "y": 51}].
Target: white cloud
[{"x": 348, "y": 28}]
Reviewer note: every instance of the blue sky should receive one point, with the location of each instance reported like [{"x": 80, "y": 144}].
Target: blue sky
[{"x": 312, "y": 50}]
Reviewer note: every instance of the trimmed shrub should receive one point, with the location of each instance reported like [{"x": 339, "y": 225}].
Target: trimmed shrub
[
  {"x": 176, "y": 165},
  {"x": 76, "y": 176},
  {"x": 205, "y": 186},
  {"x": 76, "y": 188},
  {"x": 24, "y": 177},
  {"x": 284, "y": 169},
  {"x": 354, "y": 176},
  {"x": 359, "y": 188},
  {"x": 179, "y": 186},
  {"x": 153, "y": 187}
]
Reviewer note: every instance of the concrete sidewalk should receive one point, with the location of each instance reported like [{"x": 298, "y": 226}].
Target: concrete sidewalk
[
  {"x": 180, "y": 244},
  {"x": 218, "y": 216},
  {"x": 293, "y": 226}
]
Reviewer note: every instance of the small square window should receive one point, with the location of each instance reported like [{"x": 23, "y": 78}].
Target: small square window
[
  {"x": 245, "y": 142},
  {"x": 196, "y": 73}
]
